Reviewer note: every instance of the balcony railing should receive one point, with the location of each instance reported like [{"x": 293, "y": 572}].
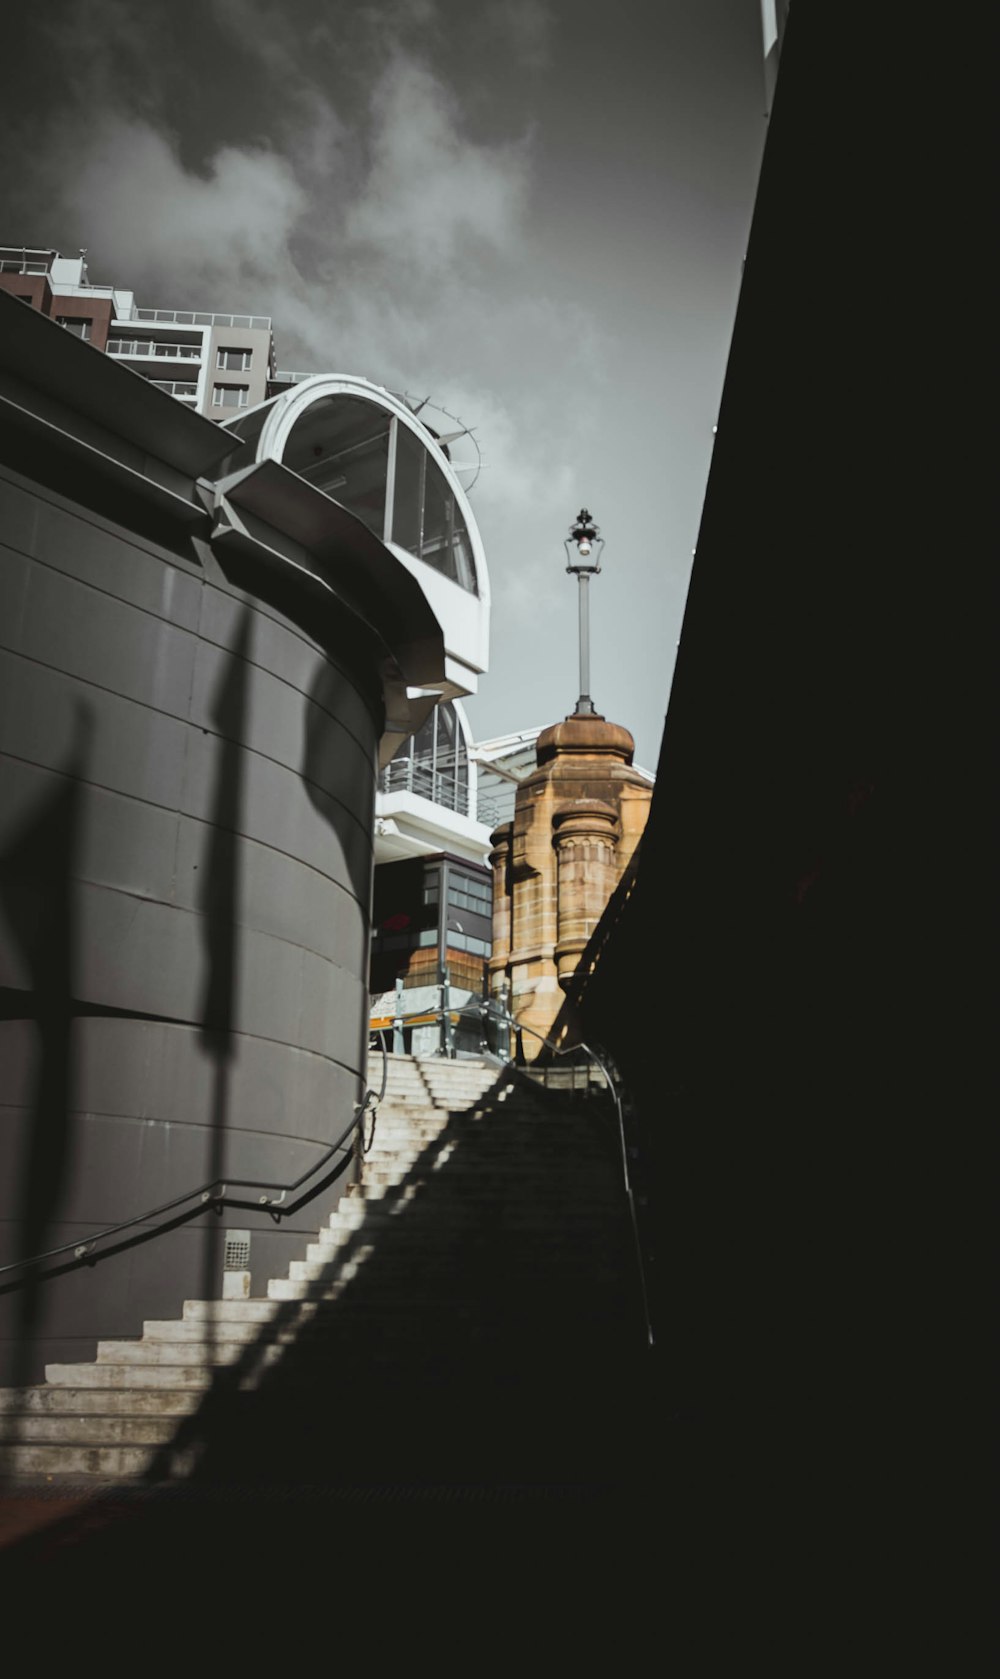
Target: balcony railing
[
  {"x": 7, "y": 267},
  {"x": 149, "y": 347},
  {"x": 184, "y": 317},
  {"x": 407, "y": 775},
  {"x": 175, "y": 387}
]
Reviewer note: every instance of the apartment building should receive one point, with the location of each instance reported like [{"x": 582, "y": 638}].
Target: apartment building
[{"x": 214, "y": 363}]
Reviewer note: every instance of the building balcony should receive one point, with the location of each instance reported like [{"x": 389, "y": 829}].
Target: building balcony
[
  {"x": 441, "y": 787},
  {"x": 185, "y": 317},
  {"x": 175, "y": 387},
  {"x": 8, "y": 267},
  {"x": 133, "y": 348}
]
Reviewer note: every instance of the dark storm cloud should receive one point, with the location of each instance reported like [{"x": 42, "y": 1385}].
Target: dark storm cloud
[
  {"x": 533, "y": 213},
  {"x": 305, "y": 161}
]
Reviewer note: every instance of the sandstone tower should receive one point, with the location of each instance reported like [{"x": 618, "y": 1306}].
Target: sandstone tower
[{"x": 577, "y": 820}]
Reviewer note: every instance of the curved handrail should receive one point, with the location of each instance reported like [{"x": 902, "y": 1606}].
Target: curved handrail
[
  {"x": 483, "y": 1008},
  {"x": 370, "y": 1096},
  {"x": 215, "y": 1192},
  {"x": 371, "y": 1100}
]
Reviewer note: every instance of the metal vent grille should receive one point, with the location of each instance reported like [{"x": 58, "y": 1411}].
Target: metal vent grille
[{"x": 237, "y": 1253}]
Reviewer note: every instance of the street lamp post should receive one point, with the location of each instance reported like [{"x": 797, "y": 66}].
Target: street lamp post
[
  {"x": 447, "y": 1045},
  {"x": 584, "y": 537}
]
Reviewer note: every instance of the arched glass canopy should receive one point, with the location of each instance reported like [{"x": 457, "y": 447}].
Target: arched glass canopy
[{"x": 361, "y": 446}]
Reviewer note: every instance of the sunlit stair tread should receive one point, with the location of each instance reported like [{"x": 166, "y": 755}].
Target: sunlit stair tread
[
  {"x": 45, "y": 1400},
  {"x": 100, "y": 1461},
  {"x": 191, "y": 1375},
  {"x": 125, "y": 1429}
]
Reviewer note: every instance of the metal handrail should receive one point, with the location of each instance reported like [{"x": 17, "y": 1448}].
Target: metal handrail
[
  {"x": 216, "y": 1192},
  {"x": 486, "y": 1006}
]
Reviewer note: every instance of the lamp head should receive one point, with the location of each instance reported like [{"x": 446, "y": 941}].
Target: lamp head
[{"x": 585, "y": 535}]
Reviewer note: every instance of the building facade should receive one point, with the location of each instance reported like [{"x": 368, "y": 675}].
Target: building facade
[
  {"x": 578, "y": 818},
  {"x": 205, "y": 661},
  {"x": 216, "y": 364},
  {"x": 223, "y": 366}
]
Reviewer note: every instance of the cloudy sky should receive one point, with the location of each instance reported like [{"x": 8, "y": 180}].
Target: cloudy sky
[{"x": 532, "y": 211}]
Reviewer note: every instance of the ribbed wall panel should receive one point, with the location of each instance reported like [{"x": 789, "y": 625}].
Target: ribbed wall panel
[{"x": 187, "y": 784}]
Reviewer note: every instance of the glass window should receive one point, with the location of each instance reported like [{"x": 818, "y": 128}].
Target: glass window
[
  {"x": 426, "y": 519},
  {"x": 235, "y": 361},
  {"x": 476, "y": 895},
  {"x": 341, "y": 445},
  {"x": 79, "y": 325},
  {"x": 230, "y": 396}
]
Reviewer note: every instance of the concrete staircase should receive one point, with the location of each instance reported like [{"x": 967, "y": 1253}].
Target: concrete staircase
[{"x": 480, "y": 1266}]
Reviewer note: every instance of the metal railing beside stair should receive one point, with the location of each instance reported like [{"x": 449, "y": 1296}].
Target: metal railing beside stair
[
  {"x": 486, "y": 1011},
  {"x": 217, "y": 1194}
]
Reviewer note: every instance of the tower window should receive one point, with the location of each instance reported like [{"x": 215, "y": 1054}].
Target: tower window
[{"x": 230, "y": 396}]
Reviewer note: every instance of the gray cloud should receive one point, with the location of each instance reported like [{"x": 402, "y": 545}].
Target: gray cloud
[
  {"x": 429, "y": 187},
  {"x": 430, "y": 194},
  {"x": 526, "y": 25},
  {"x": 363, "y": 216},
  {"x": 151, "y": 223}
]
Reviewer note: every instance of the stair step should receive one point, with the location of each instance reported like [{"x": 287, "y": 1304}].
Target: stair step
[
  {"x": 169, "y": 1352},
  {"x": 284, "y": 1288},
  {"x": 124, "y": 1375},
  {"x": 486, "y": 1158},
  {"x": 300, "y": 1268},
  {"x": 101, "y": 1462},
  {"x": 95, "y": 1401},
  {"x": 411, "y": 1125},
  {"x": 482, "y": 1194},
  {"x": 179, "y": 1340},
  {"x": 348, "y": 1216},
  {"x": 419, "y": 1117},
  {"x": 94, "y": 1429},
  {"x": 224, "y": 1311},
  {"x": 475, "y": 1175},
  {"x": 172, "y": 1355},
  {"x": 316, "y": 1271},
  {"x": 437, "y": 1102}
]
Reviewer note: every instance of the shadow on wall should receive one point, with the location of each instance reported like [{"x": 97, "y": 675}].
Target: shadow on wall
[
  {"x": 219, "y": 903},
  {"x": 573, "y": 1021},
  {"x": 39, "y": 889},
  {"x": 36, "y": 891},
  {"x": 337, "y": 769},
  {"x": 339, "y": 779}
]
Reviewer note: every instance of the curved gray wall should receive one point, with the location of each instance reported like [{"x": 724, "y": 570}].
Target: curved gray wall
[{"x": 186, "y": 798}]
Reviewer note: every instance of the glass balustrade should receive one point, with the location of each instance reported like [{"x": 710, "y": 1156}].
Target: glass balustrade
[{"x": 135, "y": 347}]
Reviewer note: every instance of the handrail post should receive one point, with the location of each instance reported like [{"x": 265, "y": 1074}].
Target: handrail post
[
  {"x": 503, "y": 1036},
  {"x": 398, "y": 1042},
  {"x": 484, "y": 1009},
  {"x": 447, "y": 1047},
  {"x": 519, "y": 1056}
]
